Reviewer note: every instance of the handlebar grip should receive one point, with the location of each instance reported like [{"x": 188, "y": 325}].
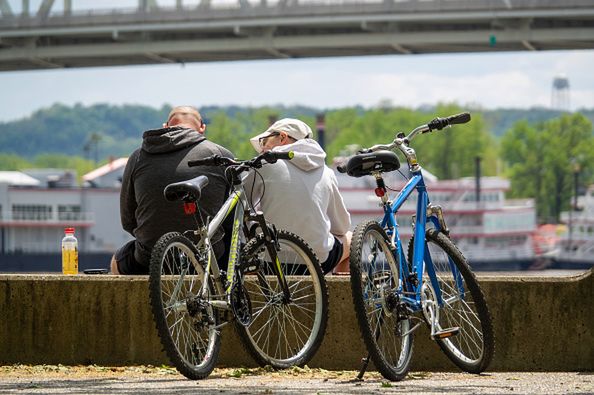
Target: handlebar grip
[
  {"x": 341, "y": 168},
  {"x": 273, "y": 156},
  {"x": 459, "y": 118},
  {"x": 284, "y": 155},
  {"x": 210, "y": 161},
  {"x": 440, "y": 123}
]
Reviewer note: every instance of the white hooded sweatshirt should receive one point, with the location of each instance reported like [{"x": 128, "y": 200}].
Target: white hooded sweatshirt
[{"x": 301, "y": 196}]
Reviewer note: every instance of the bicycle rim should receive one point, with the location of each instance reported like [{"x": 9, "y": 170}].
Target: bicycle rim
[
  {"x": 186, "y": 330},
  {"x": 285, "y": 334},
  {"x": 374, "y": 281}
]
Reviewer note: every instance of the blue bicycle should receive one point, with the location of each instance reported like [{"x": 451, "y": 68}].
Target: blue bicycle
[{"x": 395, "y": 292}]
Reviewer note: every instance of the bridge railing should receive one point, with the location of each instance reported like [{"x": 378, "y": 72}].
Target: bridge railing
[{"x": 50, "y": 10}]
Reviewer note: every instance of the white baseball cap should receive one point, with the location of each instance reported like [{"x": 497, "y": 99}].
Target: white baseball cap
[{"x": 293, "y": 127}]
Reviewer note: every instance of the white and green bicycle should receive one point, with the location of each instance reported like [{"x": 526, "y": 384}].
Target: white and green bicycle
[{"x": 273, "y": 288}]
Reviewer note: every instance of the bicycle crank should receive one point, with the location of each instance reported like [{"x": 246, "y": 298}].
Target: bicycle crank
[{"x": 431, "y": 313}]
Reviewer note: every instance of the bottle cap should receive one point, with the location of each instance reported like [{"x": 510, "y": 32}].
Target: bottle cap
[{"x": 69, "y": 230}]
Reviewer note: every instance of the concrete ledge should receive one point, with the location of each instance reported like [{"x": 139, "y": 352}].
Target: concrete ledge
[{"x": 541, "y": 324}]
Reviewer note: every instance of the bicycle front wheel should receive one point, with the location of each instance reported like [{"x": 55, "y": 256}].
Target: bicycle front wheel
[
  {"x": 184, "y": 318},
  {"x": 463, "y": 305},
  {"x": 374, "y": 283},
  {"x": 284, "y": 333}
]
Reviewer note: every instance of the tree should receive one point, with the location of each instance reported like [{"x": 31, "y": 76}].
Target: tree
[
  {"x": 543, "y": 158},
  {"x": 13, "y": 162}
]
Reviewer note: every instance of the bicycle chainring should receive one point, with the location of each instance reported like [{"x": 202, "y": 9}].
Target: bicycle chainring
[{"x": 429, "y": 304}]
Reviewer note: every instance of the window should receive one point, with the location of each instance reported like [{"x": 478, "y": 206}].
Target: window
[
  {"x": 31, "y": 212},
  {"x": 68, "y": 212}
]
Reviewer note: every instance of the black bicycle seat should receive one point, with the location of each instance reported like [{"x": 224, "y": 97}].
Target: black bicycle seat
[
  {"x": 364, "y": 164},
  {"x": 188, "y": 191}
]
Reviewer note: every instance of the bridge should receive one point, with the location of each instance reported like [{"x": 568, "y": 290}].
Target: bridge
[{"x": 59, "y": 35}]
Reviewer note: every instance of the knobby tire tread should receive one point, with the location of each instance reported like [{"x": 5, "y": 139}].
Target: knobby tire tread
[
  {"x": 167, "y": 342},
  {"x": 381, "y": 364},
  {"x": 478, "y": 297},
  {"x": 263, "y": 360}
]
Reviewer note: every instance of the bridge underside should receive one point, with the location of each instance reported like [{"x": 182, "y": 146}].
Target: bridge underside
[{"x": 200, "y": 34}]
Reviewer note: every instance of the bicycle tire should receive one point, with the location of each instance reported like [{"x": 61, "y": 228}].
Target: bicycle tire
[
  {"x": 374, "y": 274},
  {"x": 191, "y": 345},
  {"x": 473, "y": 347},
  {"x": 304, "y": 321}
]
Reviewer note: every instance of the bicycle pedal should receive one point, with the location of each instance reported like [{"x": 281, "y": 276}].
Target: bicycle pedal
[{"x": 445, "y": 333}]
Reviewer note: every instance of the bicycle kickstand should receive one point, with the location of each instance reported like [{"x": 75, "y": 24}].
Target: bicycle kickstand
[{"x": 365, "y": 363}]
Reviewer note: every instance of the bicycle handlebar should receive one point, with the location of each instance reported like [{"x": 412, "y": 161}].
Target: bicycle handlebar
[
  {"x": 402, "y": 142},
  {"x": 217, "y": 160}
]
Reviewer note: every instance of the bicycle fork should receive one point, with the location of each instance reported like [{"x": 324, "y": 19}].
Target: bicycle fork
[{"x": 272, "y": 246}]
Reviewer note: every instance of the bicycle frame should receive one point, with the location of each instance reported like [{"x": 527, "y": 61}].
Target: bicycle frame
[
  {"x": 236, "y": 196},
  {"x": 411, "y": 273}
]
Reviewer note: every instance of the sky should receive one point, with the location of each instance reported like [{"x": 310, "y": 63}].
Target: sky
[
  {"x": 515, "y": 79},
  {"x": 488, "y": 80}
]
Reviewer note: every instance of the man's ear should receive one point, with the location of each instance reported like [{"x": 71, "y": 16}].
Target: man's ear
[
  {"x": 165, "y": 125},
  {"x": 202, "y": 128}
]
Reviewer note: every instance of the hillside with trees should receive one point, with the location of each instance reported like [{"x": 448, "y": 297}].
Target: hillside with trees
[
  {"x": 99, "y": 131},
  {"x": 538, "y": 149}
]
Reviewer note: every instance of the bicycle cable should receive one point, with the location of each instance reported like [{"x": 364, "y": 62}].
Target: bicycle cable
[
  {"x": 403, "y": 176},
  {"x": 250, "y": 200}
]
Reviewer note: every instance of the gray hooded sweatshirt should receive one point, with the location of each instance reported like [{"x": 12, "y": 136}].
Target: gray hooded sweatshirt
[
  {"x": 163, "y": 159},
  {"x": 301, "y": 196}
]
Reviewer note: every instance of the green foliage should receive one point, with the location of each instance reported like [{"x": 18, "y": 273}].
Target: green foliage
[
  {"x": 449, "y": 153},
  {"x": 68, "y": 130},
  {"x": 13, "y": 162},
  {"x": 81, "y": 165},
  {"x": 234, "y": 133},
  {"x": 543, "y": 160},
  {"x": 501, "y": 120}
]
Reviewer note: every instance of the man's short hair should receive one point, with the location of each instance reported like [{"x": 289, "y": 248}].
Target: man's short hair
[{"x": 185, "y": 111}]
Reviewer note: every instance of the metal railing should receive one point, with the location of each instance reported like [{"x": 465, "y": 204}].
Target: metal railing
[{"x": 46, "y": 217}]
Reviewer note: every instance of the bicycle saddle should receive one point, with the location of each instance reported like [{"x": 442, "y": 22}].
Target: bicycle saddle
[
  {"x": 364, "y": 164},
  {"x": 188, "y": 191}
]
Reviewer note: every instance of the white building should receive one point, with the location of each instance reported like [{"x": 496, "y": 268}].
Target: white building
[{"x": 33, "y": 216}]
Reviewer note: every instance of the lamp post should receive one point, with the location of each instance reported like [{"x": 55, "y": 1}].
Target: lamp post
[{"x": 573, "y": 206}]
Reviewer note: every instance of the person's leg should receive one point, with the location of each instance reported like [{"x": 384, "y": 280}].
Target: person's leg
[
  {"x": 124, "y": 262},
  {"x": 114, "y": 265},
  {"x": 343, "y": 264}
]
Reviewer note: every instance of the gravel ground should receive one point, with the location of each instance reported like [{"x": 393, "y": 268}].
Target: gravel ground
[{"x": 52, "y": 379}]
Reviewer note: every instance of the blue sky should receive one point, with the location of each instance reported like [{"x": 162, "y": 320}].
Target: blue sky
[{"x": 517, "y": 79}]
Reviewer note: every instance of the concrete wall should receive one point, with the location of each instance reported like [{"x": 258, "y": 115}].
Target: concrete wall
[{"x": 541, "y": 324}]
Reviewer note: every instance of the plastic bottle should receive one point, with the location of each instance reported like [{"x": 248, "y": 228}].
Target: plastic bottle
[{"x": 69, "y": 252}]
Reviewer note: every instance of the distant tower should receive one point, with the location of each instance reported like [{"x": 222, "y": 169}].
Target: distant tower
[{"x": 560, "y": 94}]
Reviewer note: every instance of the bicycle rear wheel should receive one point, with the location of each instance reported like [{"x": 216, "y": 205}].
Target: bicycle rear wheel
[
  {"x": 281, "y": 333},
  {"x": 374, "y": 281},
  {"x": 464, "y": 305},
  {"x": 185, "y": 322}
]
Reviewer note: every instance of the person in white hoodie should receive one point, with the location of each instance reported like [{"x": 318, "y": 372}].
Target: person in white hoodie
[{"x": 301, "y": 195}]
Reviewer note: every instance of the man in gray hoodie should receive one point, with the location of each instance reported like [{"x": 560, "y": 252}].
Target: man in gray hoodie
[
  {"x": 163, "y": 159},
  {"x": 301, "y": 195}
]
